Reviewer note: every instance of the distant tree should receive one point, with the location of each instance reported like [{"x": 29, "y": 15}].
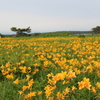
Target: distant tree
[
  {"x": 96, "y": 30},
  {"x": 21, "y": 32}
]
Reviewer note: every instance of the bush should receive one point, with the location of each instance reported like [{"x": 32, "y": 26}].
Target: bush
[{"x": 81, "y": 36}]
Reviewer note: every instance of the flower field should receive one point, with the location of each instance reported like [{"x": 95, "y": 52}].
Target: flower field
[{"x": 60, "y": 68}]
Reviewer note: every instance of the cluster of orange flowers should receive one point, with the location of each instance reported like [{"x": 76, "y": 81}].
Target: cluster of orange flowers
[{"x": 66, "y": 58}]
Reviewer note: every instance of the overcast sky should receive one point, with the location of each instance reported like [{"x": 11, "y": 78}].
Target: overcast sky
[{"x": 49, "y": 15}]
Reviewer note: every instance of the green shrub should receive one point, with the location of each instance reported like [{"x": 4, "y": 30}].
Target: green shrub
[{"x": 81, "y": 36}]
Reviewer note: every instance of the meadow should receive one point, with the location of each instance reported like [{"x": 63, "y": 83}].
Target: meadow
[{"x": 51, "y": 68}]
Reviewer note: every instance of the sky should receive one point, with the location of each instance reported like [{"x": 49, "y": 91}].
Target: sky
[{"x": 49, "y": 15}]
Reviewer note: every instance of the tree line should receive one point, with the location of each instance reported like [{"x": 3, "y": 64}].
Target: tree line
[{"x": 26, "y": 31}]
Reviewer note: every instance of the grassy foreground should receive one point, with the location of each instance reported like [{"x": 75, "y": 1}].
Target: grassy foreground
[{"x": 56, "y": 68}]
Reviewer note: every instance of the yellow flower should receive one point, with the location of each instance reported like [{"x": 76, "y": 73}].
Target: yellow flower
[
  {"x": 71, "y": 75},
  {"x": 56, "y": 78},
  {"x": 84, "y": 84},
  {"x": 37, "y": 65},
  {"x": 51, "y": 82},
  {"x": 66, "y": 91},
  {"x": 10, "y": 76},
  {"x": 30, "y": 83},
  {"x": 81, "y": 85},
  {"x": 28, "y": 77},
  {"x": 93, "y": 89},
  {"x": 98, "y": 85},
  {"x": 59, "y": 76},
  {"x": 36, "y": 70},
  {"x": 73, "y": 88},
  {"x": 65, "y": 82},
  {"x": 59, "y": 96},
  {"x": 39, "y": 93},
  {"x": 77, "y": 71},
  {"x": 17, "y": 64},
  {"x": 26, "y": 54},
  {"x": 22, "y": 61},
  {"x": 31, "y": 94},
  {"x": 29, "y": 68},
  {"x": 50, "y": 75},
  {"x": 8, "y": 64},
  {"x": 48, "y": 93},
  {"x": 48, "y": 90},
  {"x": 2, "y": 66},
  {"x": 87, "y": 83},
  {"x": 24, "y": 88},
  {"x": 4, "y": 72},
  {"x": 16, "y": 81},
  {"x": 20, "y": 92},
  {"x": 24, "y": 70},
  {"x": 51, "y": 98}
]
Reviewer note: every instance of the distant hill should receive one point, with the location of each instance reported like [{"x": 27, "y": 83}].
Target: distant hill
[
  {"x": 61, "y": 33},
  {"x": 53, "y": 34},
  {"x": 80, "y": 32},
  {"x": 73, "y": 32}
]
